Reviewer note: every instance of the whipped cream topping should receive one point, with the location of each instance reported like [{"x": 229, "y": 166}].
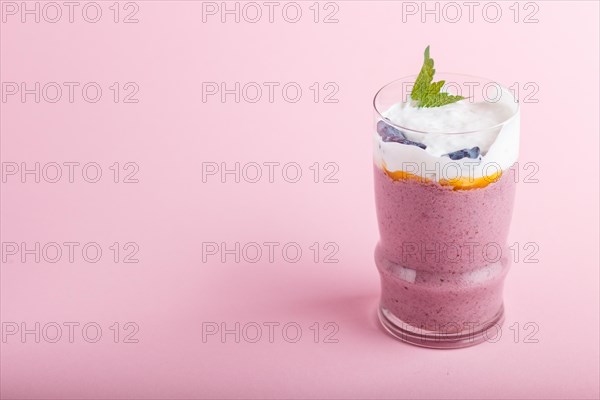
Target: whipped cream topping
[{"x": 491, "y": 126}]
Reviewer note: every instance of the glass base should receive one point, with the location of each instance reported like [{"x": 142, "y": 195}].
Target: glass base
[{"x": 439, "y": 339}]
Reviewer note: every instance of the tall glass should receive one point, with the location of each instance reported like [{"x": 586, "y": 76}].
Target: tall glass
[{"x": 444, "y": 216}]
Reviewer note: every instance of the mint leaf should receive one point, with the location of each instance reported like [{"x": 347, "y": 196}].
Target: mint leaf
[
  {"x": 439, "y": 99},
  {"x": 426, "y": 92},
  {"x": 424, "y": 78}
]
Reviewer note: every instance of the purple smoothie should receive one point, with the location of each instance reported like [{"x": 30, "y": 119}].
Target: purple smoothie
[{"x": 442, "y": 255}]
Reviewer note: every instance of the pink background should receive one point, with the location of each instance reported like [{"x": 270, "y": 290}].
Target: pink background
[{"x": 171, "y": 212}]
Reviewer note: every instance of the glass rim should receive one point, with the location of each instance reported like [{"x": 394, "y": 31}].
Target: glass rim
[{"x": 499, "y": 125}]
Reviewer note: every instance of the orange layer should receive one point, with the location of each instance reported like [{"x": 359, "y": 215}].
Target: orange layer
[{"x": 463, "y": 183}]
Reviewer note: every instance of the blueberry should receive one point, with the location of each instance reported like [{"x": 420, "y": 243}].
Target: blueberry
[
  {"x": 468, "y": 153},
  {"x": 410, "y": 142},
  {"x": 387, "y": 132},
  {"x": 390, "y": 134}
]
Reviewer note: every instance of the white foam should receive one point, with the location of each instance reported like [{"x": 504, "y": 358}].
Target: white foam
[{"x": 493, "y": 127}]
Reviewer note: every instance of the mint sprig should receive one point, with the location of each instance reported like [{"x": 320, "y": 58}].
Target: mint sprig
[{"x": 426, "y": 92}]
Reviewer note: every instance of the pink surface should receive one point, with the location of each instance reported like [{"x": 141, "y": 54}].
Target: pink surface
[{"x": 175, "y": 293}]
